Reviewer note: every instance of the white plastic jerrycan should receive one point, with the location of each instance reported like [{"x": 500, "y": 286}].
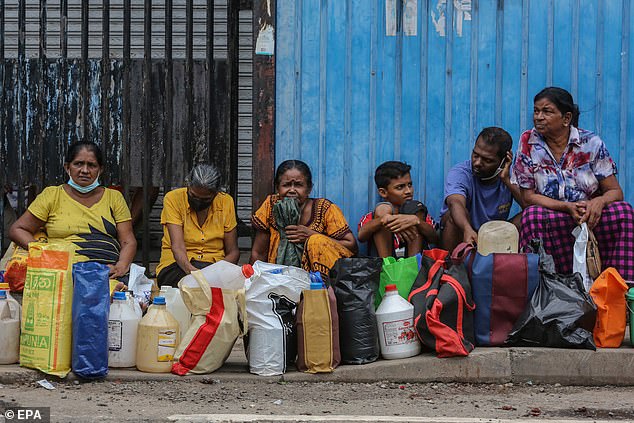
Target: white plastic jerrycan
[
  {"x": 9, "y": 332},
  {"x": 498, "y": 236},
  {"x": 221, "y": 274},
  {"x": 395, "y": 322},
  {"x": 14, "y": 305},
  {"x": 123, "y": 325}
]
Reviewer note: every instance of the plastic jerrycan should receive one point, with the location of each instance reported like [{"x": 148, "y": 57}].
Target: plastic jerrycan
[
  {"x": 13, "y": 303},
  {"x": 123, "y": 325},
  {"x": 134, "y": 304},
  {"x": 9, "y": 332},
  {"x": 176, "y": 306},
  {"x": 395, "y": 322},
  {"x": 158, "y": 337},
  {"x": 222, "y": 274},
  {"x": 498, "y": 236}
]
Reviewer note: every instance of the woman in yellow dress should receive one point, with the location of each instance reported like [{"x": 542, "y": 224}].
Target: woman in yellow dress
[
  {"x": 321, "y": 233},
  {"x": 199, "y": 226},
  {"x": 94, "y": 218}
]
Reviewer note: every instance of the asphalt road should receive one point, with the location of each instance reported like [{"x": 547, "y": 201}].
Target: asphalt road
[{"x": 213, "y": 400}]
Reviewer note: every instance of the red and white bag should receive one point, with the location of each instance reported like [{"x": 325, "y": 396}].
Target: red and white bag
[{"x": 218, "y": 318}]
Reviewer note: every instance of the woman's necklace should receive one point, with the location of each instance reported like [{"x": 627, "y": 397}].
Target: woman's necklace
[{"x": 558, "y": 146}]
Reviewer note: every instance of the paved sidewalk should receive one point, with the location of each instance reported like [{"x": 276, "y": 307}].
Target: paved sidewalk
[{"x": 483, "y": 365}]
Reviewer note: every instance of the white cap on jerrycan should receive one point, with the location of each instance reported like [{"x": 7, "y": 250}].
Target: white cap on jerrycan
[
  {"x": 222, "y": 274},
  {"x": 395, "y": 323}
]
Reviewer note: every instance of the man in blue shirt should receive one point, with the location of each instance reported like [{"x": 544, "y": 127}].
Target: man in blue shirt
[{"x": 479, "y": 190}]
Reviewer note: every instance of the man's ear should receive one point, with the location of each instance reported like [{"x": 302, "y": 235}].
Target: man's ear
[{"x": 383, "y": 192}]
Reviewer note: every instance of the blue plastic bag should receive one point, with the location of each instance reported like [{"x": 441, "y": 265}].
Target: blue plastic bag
[{"x": 91, "y": 305}]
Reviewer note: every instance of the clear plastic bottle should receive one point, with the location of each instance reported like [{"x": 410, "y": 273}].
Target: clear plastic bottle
[
  {"x": 158, "y": 337},
  {"x": 395, "y": 323},
  {"x": 222, "y": 274},
  {"x": 9, "y": 332},
  {"x": 123, "y": 324}
]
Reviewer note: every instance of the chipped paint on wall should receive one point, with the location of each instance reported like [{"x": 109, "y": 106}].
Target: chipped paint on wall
[{"x": 461, "y": 13}]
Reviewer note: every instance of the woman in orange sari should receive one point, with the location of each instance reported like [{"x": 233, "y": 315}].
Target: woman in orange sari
[{"x": 321, "y": 233}]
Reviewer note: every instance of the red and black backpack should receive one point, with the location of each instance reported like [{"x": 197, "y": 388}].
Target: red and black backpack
[{"x": 443, "y": 305}]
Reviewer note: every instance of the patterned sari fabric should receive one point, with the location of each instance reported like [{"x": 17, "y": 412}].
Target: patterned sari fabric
[
  {"x": 614, "y": 233},
  {"x": 320, "y": 251}
]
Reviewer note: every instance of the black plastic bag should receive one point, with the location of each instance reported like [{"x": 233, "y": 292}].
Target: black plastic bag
[
  {"x": 560, "y": 314},
  {"x": 355, "y": 282}
]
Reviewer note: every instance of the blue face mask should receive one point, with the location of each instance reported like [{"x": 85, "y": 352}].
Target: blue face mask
[{"x": 86, "y": 189}]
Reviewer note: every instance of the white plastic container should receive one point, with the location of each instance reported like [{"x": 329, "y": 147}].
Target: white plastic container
[
  {"x": 9, "y": 332},
  {"x": 134, "y": 304},
  {"x": 14, "y": 305},
  {"x": 221, "y": 274},
  {"x": 498, "y": 236},
  {"x": 395, "y": 323},
  {"x": 158, "y": 337},
  {"x": 176, "y": 306},
  {"x": 123, "y": 325}
]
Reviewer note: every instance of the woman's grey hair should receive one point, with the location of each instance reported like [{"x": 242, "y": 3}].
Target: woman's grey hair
[{"x": 204, "y": 176}]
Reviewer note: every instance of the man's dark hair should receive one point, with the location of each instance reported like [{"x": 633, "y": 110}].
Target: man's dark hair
[
  {"x": 498, "y": 137},
  {"x": 388, "y": 171}
]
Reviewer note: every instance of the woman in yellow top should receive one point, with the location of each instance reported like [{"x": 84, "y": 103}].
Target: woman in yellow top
[
  {"x": 321, "y": 232},
  {"x": 199, "y": 226},
  {"x": 94, "y": 218}
]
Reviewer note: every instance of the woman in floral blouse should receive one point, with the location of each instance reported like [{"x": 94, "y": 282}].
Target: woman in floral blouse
[{"x": 567, "y": 177}]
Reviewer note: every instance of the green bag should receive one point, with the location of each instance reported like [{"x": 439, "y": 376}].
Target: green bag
[{"x": 401, "y": 272}]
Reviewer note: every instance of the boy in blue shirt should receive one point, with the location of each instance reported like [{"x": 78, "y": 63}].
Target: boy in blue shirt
[
  {"x": 479, "y": 190},
  {"x": 399, "y": 226}
]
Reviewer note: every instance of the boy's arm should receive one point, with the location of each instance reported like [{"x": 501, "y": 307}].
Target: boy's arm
[
  {"x": 428, "y": 232},
  {"x": 376, "y": 231},
  {"x": 368, "y": 229}
]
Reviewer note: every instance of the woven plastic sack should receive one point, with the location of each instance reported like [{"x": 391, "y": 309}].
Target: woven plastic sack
[
  {"x": 45, "y": 342},
  {"x": 272, "y": 296},
  {"x": 318, "y": 332},
  {"x": 218, "y": 319},
  {"x": 15, "y": 273},
  {"x": 91, "y": 306}
]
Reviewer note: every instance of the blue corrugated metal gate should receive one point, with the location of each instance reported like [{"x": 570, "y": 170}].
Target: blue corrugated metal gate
[{"x": 364, "y": 81}]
